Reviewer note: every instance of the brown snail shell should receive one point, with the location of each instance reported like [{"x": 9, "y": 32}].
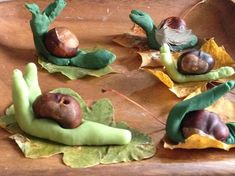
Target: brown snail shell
[
  {"x": 195, "y": 62},
  {"x": 174, "y": 22},
  {"x": 64, "y": 109},
  {"x": 61, "y": 42},
  {"x": 206, "y": 121}
]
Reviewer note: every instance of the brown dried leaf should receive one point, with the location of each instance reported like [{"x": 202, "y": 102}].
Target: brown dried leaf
[
  {"x": 137, "y": 30},
  {"x": 150, "y": 59},
  {"x": 129, "y": 40},
  {"x": 136, "y": 38}
]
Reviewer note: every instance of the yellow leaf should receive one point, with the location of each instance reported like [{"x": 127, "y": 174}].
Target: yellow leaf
[
  {"x": 199, "y": 141},
  {"x": 225, "y": 108},
  {"x": 180, "y": 90},
  {"x": 161, "y": 76},
  {"x": 188, "y": 89},
  {"x": 222, "y": 58}
]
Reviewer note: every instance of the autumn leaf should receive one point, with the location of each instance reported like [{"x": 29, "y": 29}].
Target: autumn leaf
[
  {"x": 161, "y": 75},
  {"x": 180, "y": 90},
  {"x": 225, "y": 108},
  {"x": 136, "y": 38},
  {"x": 131, "y": 41},
  {"x": 222, "y": 58},
  {"x": 199, "y": 141},
  {"x": 72, "y": 72},
  {"x": 150, "y": 59}
]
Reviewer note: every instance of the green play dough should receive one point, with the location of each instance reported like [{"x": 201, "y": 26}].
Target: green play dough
[
  {"x": 25, "y": 90},
  {"x": 146, "y": 22},
  {"x": 199, "y": 102},
  {"x": 39, "y": 25}
]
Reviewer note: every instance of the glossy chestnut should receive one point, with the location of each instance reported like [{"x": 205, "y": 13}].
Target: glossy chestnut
[
  {"x": 206, "y": 121},
  {"x": 174, "y": 23},
  {"x": 195, "y": 62},
  {"x": 61, "y": 42},
  {"x": 64, "y": 109}
]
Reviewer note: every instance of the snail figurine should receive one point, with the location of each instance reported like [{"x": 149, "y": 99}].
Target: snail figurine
[
  {"x": 171, "y": 30},
  {"x": 59, "y": 45}
]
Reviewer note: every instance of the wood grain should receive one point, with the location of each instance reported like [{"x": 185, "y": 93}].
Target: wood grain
[{"x": 94, "y": 23}]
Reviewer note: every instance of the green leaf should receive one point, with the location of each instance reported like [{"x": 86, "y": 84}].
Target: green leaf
[
  {"x": 33, "y": 147},
  {"x": 9, "y": 123},
  {"x": 80, "y": 157},
  {"x": 101, "y": 111},
  {"x": 10, "y": 110},
  {"x": 73, "y": 72},
  {"x": 141, "y": 147}
]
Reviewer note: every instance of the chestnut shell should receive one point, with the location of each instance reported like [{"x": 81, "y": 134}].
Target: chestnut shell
[
  {"x": 64, "y": 109},
  {"x": 208, "y": 122},
  {"x": 61, "y": 42},
  {"x": 195, "y": 62},
  {"x": 174, "y": 23}
]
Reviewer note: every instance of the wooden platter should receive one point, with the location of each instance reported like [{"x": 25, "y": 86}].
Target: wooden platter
[{"x": 95, "y": 23}]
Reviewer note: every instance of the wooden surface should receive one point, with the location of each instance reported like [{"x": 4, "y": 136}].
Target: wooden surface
[{"x": 94, "y": 23}]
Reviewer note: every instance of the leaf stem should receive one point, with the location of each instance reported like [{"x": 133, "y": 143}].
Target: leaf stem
[
  {"x": 183, "y": 16},
  {"x": 135, "y": 103}
]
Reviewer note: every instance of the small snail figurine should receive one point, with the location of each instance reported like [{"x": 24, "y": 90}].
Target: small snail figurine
[
  {"x": 172, "y": 30},
  {"x": 59, "y": 45},
  {"x": 195, "y": 62}
]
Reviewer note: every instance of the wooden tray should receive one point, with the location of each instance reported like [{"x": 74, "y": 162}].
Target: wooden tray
[{"x": 95, "y": 22}]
